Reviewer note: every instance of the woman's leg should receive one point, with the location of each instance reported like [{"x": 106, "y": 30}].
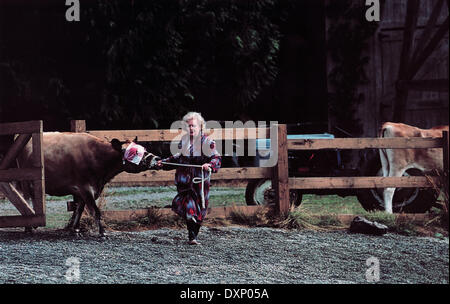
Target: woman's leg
[
  {"x": 191, "y": 230},
  {"x": 196, "y": 227}
]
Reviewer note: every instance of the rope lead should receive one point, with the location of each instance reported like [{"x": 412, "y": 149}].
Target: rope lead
[{"x": 196, "y": 180}]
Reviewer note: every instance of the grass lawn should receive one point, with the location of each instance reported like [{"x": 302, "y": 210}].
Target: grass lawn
[
  {"x": 331, "y": 204},
  {"x": 315, "y": 210},
  {"x": 125, "y": 198}
]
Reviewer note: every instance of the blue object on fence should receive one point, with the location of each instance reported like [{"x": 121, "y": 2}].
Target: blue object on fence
[{"x": 264, "y": 144}]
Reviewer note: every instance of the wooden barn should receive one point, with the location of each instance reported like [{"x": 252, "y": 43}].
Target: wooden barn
[{"x": 407, "y": 68}]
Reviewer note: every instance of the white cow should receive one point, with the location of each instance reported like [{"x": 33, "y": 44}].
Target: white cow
[{"x": 396, "y": 161}]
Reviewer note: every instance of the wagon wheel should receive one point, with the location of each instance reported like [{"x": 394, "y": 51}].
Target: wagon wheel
[
  {"x": 260, "y": 192},
  {"x": 409, "y": 200}
]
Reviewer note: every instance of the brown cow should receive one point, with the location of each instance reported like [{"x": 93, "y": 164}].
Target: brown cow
[
  {"x": 395, "y": 162},
  {"x": 80, "y": 164}
]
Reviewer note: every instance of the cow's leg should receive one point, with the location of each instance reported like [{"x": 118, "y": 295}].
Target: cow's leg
[
  {"x": 384, "y": 162},
  {"x": 76, "y": 202},
  {"x": 93, "y": 206},
  {"x": 78, "y": 213},
  {"x": 388, "y": 193},
  {"x": 101, "y": 229}
]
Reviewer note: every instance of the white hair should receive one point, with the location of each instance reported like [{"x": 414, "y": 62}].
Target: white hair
[{"x": 197, "y": 116}]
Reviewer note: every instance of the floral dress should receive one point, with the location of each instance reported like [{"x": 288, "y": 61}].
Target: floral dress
[{"x": 188, "y": 202}]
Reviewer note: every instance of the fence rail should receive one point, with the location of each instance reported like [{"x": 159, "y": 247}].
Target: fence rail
[
  {"x": 157, "y": 178},
  {"x": 365, "y": 143},
  {"x": 362, "y": 182},
  {"x": 168, "y": 135}
]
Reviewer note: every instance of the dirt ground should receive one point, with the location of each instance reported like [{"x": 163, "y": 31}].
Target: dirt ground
[{"x": 227, "y": 255}]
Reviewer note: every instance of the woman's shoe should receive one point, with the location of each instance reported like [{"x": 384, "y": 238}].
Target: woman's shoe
[{"x": 194, "y": 242}]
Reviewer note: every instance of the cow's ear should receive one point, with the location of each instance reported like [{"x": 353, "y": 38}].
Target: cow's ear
[
  {"x": 135, "y": 140},
  {"x": 116, "y": 144}
]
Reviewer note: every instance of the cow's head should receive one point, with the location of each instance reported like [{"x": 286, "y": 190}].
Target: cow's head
[{"x": 135, "y": 158}]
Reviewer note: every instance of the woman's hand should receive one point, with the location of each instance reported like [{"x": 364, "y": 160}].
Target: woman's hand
[
  {"x": 206, "y": 166},
  {"x": 159, "y": 164}
]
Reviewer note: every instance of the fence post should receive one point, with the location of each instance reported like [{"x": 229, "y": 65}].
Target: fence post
[
  {"x": 39, "y": 185},
  {"x": 78, "y": 126},
  {"x": 281, "y": 174},
  {"x": 445, "y": 152}
]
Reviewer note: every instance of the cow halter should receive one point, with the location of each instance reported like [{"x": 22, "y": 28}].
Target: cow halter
[{"x": 134, "y": 153}]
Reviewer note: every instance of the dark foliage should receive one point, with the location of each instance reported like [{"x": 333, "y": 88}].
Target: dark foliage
[
  {"x": 136, "y": 63},
  {"x": 162, "y": 56},
  {"x": 349, "y": 35}
]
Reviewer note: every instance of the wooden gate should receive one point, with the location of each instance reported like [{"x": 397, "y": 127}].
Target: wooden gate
[{"x": 30, "y": 216}]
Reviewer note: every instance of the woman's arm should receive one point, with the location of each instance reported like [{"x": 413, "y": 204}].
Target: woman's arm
[
  {"x": 171, "y": 159},
  {"x": 215, "y": 158}
]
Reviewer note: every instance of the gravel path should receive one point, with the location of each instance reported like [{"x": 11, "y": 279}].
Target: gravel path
[
  {"x": 230, "y": 255},
  {"x": 227, "y": 255}
]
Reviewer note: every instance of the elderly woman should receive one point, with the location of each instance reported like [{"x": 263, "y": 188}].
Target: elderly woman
[{"x": 197, "y": 153}]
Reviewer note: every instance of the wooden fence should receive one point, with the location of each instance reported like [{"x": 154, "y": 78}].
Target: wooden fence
[
  {"x": 363, "y": 182},
  {"x": 281, "y": 182},
  {"x": 30, "y": 217}
]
